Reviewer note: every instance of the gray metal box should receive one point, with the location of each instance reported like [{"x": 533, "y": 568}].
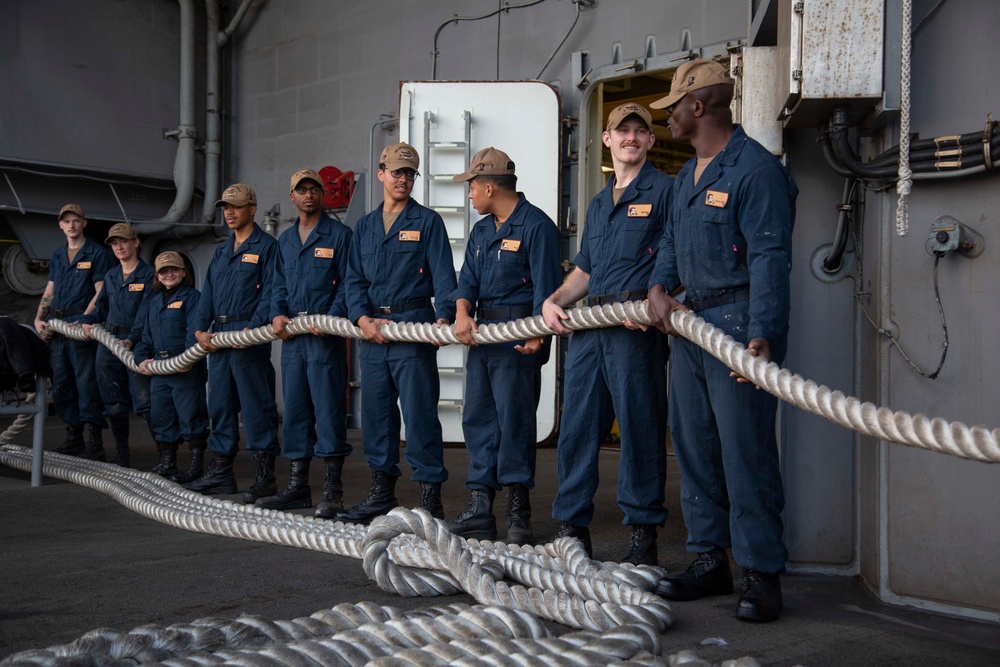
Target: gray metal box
[{"x": 831, "y": 55}]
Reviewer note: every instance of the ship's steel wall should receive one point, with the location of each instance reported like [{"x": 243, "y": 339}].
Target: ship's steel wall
[{"x": 91, "y": 83}]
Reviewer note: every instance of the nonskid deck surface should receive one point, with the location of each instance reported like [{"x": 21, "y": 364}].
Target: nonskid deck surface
[{"x": 75, "y": 560}]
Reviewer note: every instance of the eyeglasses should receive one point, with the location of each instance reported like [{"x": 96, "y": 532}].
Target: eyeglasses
[
  {"x": 409, "y": 174},
  {"x": 301, "y": 190}
]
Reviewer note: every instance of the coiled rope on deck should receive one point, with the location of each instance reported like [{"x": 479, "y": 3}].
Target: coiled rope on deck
[{"x": 934, "y": 434}]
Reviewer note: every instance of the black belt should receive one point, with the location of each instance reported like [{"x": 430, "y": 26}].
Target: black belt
[
  {"x": 166, "y": 354},
  {"x": 504, "y": 312},
  {"x": 624, "y": 295},
  {"x": 226, "y": 319},
  {"x": 741, "y": 294},
  {"x": 117, "y": 331},
  {"x": 413, "y": 304},
  {"x": 67, "y": 313}
]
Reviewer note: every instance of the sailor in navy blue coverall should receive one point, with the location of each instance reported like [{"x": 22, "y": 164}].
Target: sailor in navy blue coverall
[
  {"x": 728, "y": 243},
  {"x": 309, "y": 280},
  {"x": 76, "y": 274},
  {"x": 236, "y": 296},
  {"x": 126, "y": 288},
  {"x": 168, "y": 328},
  {"x": 400, "y": 259},
  {"x": 618, "y": 366},
  {"x": 511, "y": 267}
]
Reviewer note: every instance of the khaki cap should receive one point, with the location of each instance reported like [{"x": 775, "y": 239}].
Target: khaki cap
[
  {"x": 400, "y": 156},
  {"x": 238, "y": 194},
  {"x": 169, "y": 258},
  {"x": 121, "y": 231},
  {"x": 71, "y": 208},
  {"x": 620, "y": 113},
  {"x": 693, "y": 75},
  {"x": 487, "y": 162},
  {"x": 302, "y": 175}
]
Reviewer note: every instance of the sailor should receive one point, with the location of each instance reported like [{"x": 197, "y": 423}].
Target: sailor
[
  {"x": 237, "y": 296},
  {"x": 309, "y": 280},
  {"x": 76, "y": 275},
  {"x": 511, "y": 266},
  {"x": 179, "y": 411},
  {"x": 126, "y": 287},
  {"x": 621, "y": 367},
  {"x": 728, "y": 242},
  {"x": 400, "y": 259}
]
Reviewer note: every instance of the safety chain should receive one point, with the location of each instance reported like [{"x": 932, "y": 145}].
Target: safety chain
[{"x": 938, "y": 435}]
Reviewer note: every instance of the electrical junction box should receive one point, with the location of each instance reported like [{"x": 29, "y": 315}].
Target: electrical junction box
[
  {"x": 830, "y": 55},
  {"x": 950, "y": 235},
  {"x": 755, "y": 70}
]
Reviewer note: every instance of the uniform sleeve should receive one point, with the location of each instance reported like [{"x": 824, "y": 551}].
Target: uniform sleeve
[
  {"x": 468, "y": 277},
  {"x": 766, "y": 217},
  {"x": 101, "y": 306},
  {"x": 357, "y": 284},
  {"x": 582, "y": 259},
  {"x": 338, "y": 308},
  {"x": 143, "y": 345},
  {"x": 268, "y": 258},
  {"x": 279, "y": 293},
  {"x": 206, "y": 313},
  {"x": 139, "y": 325},
  {"x": 442, "y": 268},
  {"x": 546, "y": 269},
  {"x": 192, "y": 317},
  {"x": 665, "y": 269},
  {"x": 102, "y": 262}
]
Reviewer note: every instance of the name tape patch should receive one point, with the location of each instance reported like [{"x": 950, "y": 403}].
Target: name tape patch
[
  {"x": 83, "y": 265},
  {"x": 137, "y": 287},
  {"x": 174, "y": 305},
  {"x": 640, "y": 210},
  {"x": 716, "y": 198},
  {"x": 510, "y": 245},
  {"x": 323, "y": 253},
  {"x": 250, "y": 259},
  {"x": 409, "y": 235}
]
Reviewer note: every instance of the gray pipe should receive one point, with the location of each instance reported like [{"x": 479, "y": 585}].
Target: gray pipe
[
  {"x": 213, "y": 147},
  {"x": 186, "y": 133}
]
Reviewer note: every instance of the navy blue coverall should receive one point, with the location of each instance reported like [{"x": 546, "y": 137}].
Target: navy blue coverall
[
  {"x": 237, "y": 296},
  {"x": 729, "y": 238},
  {"x": 309, "y": 280},
  {"x": 616, "y": 367},
  {"x": 178, "y": 400},
  {"x": 507, "y": 274},
  {"x": 119, "y": 306},
  {"x": 75, "y": 393},
  {"x": 393, "y": 276}
]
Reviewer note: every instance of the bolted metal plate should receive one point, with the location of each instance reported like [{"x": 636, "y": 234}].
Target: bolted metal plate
[{"x": 22, "y": 274}]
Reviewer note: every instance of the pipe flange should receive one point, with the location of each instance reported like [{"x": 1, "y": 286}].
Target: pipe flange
[{"x": 825, "y": 275}]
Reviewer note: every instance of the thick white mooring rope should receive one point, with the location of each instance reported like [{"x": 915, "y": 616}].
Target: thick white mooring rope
[{"x": 938, "y": 435}]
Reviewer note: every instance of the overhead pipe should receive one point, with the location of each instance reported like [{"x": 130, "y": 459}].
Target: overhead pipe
[{"x": 186, "y": 134}]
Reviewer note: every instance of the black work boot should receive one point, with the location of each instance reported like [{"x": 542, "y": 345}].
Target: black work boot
[
  {"x": 381, "y": 498},
  {"x": 582, "y": 533},
  {"x": 94, "y": 444},
  {"x": 166, "y": 466},
  {"x": 642, "y": 546},
  {"x": 219, "y": 479},
  {"x": 709, "y": 574},
  {"x": 265, "y": 484},
  {"x": 760, "y": 601},
  {"x": 430, "y": 499},
  {"x": 296, "y": 494},
  {"x": 119, "y": 431},
  {"x": 477, "y": 522},
  {"x": 518, "y": 515},
  {"x": 73, "y": 444},
  {"x": 333, "y": 488},
  {"x": 195, "y": 469}
]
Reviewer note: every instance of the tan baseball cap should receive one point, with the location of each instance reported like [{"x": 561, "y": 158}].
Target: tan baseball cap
[
  {"x": 302, "y": 175},
  {"x": 693, "y": 75},
  {"x": 238, "y": 194},
  {"x": 71, "y": 208},
  {"x": 400, "y": 156},
  {"x": 620, "y": 113},
  {"x": 169, "y": 258},
  {"x": 121, "y": 231},
  {"x": 487, "y": 162}
]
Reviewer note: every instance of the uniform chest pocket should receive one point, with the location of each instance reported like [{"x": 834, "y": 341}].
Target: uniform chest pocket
[
  {"x": 717, "y": 233},
  {"x": 637, "y": 238}
]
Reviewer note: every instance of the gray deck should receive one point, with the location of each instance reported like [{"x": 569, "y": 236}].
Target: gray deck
[{"x": 74, "y": 560}]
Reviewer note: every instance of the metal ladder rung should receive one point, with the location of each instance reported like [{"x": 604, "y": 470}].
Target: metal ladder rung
[
  {"x": 456, "y": 242},
  {"x": 453, "y": 371},
  {"x": 450, "y": 209},
  {"x": 450, "y": 403},
  {"x": 446, "y": 144},
  {"x": 440, "y": 177}
]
